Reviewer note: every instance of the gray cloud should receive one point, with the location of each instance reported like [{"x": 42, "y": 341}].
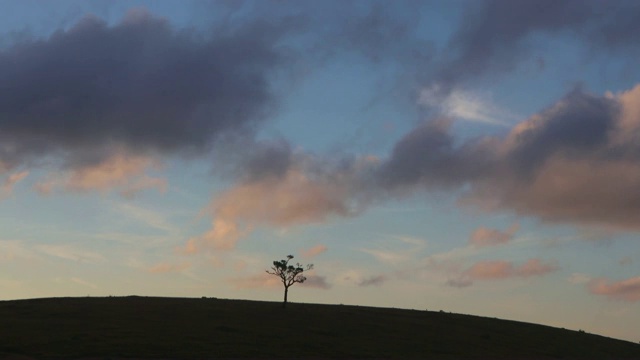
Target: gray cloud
[
  {"x": 373, "y": 281},
  {"x": 139, "y": 84},
  {"x": 576, "y": 162},
  {"x": 579, "y": 123},
  {"x": 495, "y": 35},
  {"x": 316, "y": 281},
  {"x": 268, "y": 159},
  {"x": 428, "y": 156}
]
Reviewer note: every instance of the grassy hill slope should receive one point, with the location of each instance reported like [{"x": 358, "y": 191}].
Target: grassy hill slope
[{"x": 151, "y": 327}]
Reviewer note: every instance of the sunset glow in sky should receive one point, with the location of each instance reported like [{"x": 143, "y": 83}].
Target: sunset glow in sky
[{"x": 479, "y": 157}]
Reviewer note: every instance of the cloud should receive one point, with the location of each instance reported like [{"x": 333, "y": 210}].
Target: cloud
[
  {"x": 626, "y": 260},
  {"x": 69, "y": 252},
  {"x": 316, "y": 281},
  {"x": 163, "y": 268},
  {"x": 314, "y": 251},
  {"x": 11, "y": 180},
  {"x": 483, "y": 236},
  {"x": 375, "y": 33},
  {"x": 296, "y": 198},
  {"x": 488, "y": 270},
  {"x": 139, "y": 84},
  {"x": 127, "y": 173},
  {"x": 500, "y": 270},
  {"x": 82, "y": 282},
  {"x": 150, "y": 218},
  {"x": 535, "y": 267},
  {"x": 386, "y": 256},
  {"x": 308, "y": 192},
  {"x": 16, "y": 250},
  {"x": 459, "y": 282},
  {"x": 256, "y": 281},
  {"x": 575, "y": 162},
  {"x": 464, "y": 105},
  {"x": 268, "y": 281},
  {"x": 626, "y": 290},
  {"x": 223, "y": 235},
  {"x": 376, "y": 280},
  {"x": 578, "y": 278},
  {"x": 427, "y": 157},
  {"x": 496, "y": 35}
]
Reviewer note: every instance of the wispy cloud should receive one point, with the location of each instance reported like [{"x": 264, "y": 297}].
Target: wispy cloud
[
  {"x": 69, "y": 252},
  {"x": 164, "y": 267},
  {"x": 500, "y": 270},
  {"x": 578, "y": 278},
  {"x": 401, "y": 249},
  {"x": 626, "y": 260},
  {"x": 316, "y": 281},
  {"x": 627, "y": 290},
  {"x": 376, "y": 280},
  {"x": 120, "y": 171},
  {"x": 291, "y": 198},
  {"x": 255, "y": 281},
  {"x": 16, "y": 249},
  {"x": 314, "y": 251},
  {"x": 10, "y": 181},
  {"x": 82, "y": 282},
  {"x": 387, "y": 256},
  {"x": 484, "y": 236},
  {"x": 148, "y": 217},
  {"x": 465, "y": 105}
]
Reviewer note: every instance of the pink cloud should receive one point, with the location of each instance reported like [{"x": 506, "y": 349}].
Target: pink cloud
[
  {"x": 123, "y": 172},
  {"x": 314, "y": 251},
  {"x": 11, "y": 180},
  {"x": 223, "y": 235},
  {"x": 627, "y": 290},
  {"x": 484, "y": 236},
  {"x": 535, "y": 267},
  {"x": 298, "y": 197},
  {"x": 500, "y": 270},
  {"x": 490, "y": 270},
  {"x": 294, "y": 199}
]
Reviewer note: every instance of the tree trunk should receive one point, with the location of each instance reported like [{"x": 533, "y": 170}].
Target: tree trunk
[{"x": 286, "y": 290}]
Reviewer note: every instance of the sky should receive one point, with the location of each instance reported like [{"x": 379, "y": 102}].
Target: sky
[{"x": 477, "y": 157}]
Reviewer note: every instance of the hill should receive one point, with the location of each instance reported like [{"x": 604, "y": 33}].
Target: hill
[{"x": 150, "y": 327}]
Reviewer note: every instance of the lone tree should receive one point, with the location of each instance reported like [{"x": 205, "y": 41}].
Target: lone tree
[{"x": 288, "y": 274}]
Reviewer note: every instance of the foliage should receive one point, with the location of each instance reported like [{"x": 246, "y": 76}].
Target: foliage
[{"x": 288, "y": 274}]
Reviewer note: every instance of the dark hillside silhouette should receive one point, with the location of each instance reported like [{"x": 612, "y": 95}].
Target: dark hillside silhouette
[{"x": 161, "y": 328}]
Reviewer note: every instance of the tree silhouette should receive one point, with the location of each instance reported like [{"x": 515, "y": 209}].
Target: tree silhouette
[{"x": 288, "y": 274}]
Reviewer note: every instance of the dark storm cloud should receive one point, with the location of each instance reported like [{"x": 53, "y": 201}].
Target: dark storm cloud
[
  {"x": 139, "y": 84},
  {"x": 495, "y": 35}
]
